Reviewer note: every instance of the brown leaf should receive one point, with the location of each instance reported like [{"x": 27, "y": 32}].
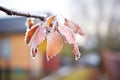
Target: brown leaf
[{"x": 29, "y": 34}]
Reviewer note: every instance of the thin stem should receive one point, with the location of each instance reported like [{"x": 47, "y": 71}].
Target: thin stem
[{"x": 15, "y": 13}]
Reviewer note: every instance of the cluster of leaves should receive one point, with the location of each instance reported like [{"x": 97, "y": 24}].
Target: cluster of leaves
[{"x": 52, "y": 31}]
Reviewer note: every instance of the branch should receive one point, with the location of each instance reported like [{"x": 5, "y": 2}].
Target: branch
[{"x": 11, "y": 12}]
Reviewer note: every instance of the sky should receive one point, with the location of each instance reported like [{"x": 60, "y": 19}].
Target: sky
[{"x": 36, "y": 6}]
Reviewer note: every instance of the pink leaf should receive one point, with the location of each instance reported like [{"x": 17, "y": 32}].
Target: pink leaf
[
  {"x": 76, "y": 51},
  {"x": 38, "y": 38},
  {"x": 33, "y": 51},
  {"x": 69, "y": 35},
  {"x": 75, "y": 27},
  {"x": 54, "y": 44}
]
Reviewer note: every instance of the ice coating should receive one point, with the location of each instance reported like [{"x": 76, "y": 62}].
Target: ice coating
[
  {"x": 54, "y": 44},
  {"x": 70, "y": 37},
  {"x": 54, "y": 31}
]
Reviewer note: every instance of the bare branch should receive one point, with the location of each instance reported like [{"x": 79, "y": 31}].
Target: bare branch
[{"x": 15, "y": 13}]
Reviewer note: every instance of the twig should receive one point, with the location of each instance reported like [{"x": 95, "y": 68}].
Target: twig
[{"x": 11, "y": 12}]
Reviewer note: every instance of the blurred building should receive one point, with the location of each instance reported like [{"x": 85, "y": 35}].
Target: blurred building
[
  {"x": 14, "y": 54},
  {"x": 12, "y": 43},
  {"x": 15, "y": 59}
]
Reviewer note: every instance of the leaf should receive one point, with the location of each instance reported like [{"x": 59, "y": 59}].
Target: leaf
[
  {"x": 30, "y": 33},
  {"x": 69, "y": 35},
  {"x": 29, "y": 23},
  {"x": 39, "y": 36},
  {"x": 33, "y": 51},
  {"x": 49, "y": 21},
  {"x": 76, "y": 51},
  {"x": 54, "y": 44},
  {"x": 42, "y": 46},
  {"x": 38, "y": 39},
  {"x": 75, "y": 27}
]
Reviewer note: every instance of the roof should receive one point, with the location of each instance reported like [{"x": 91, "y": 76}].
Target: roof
[{"x": 12, "y": 25}]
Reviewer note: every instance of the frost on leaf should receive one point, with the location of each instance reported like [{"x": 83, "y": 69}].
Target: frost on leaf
[
  {"x": 54, "y": 44},
  {"x": 54, "y": 30},
  {"x": 70, "y": 37}
]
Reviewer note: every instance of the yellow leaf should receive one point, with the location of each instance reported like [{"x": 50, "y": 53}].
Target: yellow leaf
[
  {"x": 42, "y": 46},
  {"x": 49, "y": 21}
]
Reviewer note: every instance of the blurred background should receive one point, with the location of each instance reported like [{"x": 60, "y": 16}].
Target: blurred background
[{"x": 100, "y": 47}]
